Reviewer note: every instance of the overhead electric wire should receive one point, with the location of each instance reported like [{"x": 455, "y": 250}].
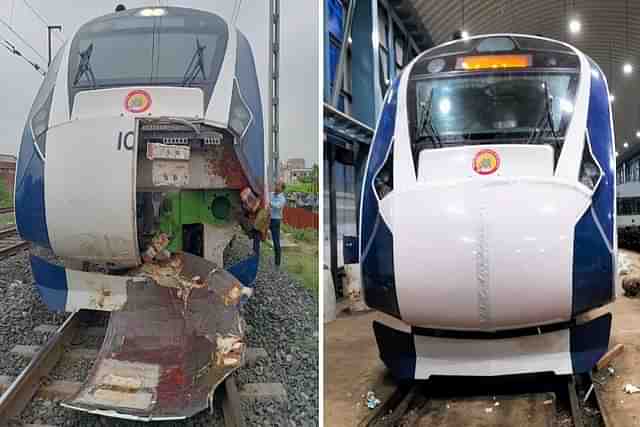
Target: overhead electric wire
[
  {"x": 3, "y": 22},
  {"x": 41, "y": 18},
  {"x": 12, "y": 49}
]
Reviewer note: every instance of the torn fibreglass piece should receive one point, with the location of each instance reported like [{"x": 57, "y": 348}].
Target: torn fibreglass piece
[{"x": 179, "y": 335}]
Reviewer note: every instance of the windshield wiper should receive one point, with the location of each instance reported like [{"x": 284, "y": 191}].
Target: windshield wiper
[
  {"x": 196, "y": 65},
  {"x": 426, "y": 128},
  {"x": 545, "y": 121},
  {"x": 85, "y": 67}
]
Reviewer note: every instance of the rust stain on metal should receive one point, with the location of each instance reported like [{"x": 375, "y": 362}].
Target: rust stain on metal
[
  {"x": 159, "y": 359},
  {"x": 233, "y": 294},
  {"x": 229, "y": 350},
  {"x": 223, "y": 164},
  {"x": 157, "y": 248}
]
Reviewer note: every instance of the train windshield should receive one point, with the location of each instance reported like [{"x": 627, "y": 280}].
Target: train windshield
[
  {"x": 493, "y": 108},
  {"x": 181, "y": 47}
]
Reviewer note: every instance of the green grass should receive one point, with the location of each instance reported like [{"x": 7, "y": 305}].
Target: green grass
[
  {"x": 301, "y": 263},
  {"x": 7, "y": 220},
  {"x": 300, "y": 187},
  {"x": 306, "y": 235}
]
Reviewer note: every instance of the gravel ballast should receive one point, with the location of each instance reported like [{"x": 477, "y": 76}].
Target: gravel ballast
[{"x": 282, "y": 318}]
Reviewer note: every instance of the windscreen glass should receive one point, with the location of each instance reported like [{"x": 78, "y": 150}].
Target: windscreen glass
[
  {"x": 183, "y": 47},
  {"x": 518, "y": 107}
]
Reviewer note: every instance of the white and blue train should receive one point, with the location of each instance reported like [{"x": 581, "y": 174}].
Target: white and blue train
[
  {"x": 487, "y": 218},
  {"x": 143, "y": 151}
]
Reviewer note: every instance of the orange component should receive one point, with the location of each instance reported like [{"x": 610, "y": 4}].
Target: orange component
[{"x": 484, "y": 62}]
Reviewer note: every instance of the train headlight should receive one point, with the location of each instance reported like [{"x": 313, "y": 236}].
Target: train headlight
[
  {"x": 240, "y": 116},
  {"x": 590, "y": 172},
  {"x": 153, "y": 12}
]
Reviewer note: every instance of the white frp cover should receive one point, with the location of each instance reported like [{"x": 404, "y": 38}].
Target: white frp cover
[{"x": 485, "y": 254}]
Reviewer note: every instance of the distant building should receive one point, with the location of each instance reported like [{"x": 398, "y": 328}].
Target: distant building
[
  {"x": 298, "y": 175},
  {"x": 295, "y": 164},
  {"x": 292, "y": 170},
  {"x": 8, "y": 170}
]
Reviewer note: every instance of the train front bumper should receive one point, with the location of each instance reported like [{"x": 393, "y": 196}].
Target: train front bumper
[{"x": 419, "y": 355}]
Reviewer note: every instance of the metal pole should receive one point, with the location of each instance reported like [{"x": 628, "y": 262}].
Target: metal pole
[
  {"x": 274, "y": 95},
  {"x": 49, "y": 28},
  {"x": 337, "y": 85},
  {"x": 333, "y": 217}
]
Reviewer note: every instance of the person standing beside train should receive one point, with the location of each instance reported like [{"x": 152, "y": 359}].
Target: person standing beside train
[{"x": 278, "y": 201}]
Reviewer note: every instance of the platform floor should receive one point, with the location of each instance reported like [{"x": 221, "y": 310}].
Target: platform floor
[
  {"x": 352, "y": 366},
  {"x": 619, "y": 408}
]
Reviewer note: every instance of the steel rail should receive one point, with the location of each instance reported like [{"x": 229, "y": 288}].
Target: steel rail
[
  {"x": 8, "y": 232},
  {"x": 26, "y": 385},
  {"x": 7, "y": 210},
  {"x": 13, "y": 249},
  {"x": 231, "y": 409}
]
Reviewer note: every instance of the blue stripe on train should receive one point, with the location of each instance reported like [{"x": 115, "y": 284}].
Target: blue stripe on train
[
  {"x": 593, "y": 267},
  {"x": 51, "y": 282},
  {"x": 251, "y": 150},
  {"x": 29, "y": 193},
  {"x": 376, "y": 258}
]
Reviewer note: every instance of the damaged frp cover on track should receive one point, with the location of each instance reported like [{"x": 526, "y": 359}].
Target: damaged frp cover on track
[{"x": 178, "y": 337}]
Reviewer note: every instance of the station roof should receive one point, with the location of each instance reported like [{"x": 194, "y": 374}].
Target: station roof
[{"x": 610, "y": 35}]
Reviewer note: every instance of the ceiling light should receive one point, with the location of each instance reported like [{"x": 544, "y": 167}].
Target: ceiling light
[
  {"x": 626, "y": 144},
  {"x": 612, "y": 98},
  {"x": 638, "y": 134},
  {"x": 575, "y": 26},
  {"x": 617, "y": 154},
  {"x": 627, "y": 68},
  {"x": 464, "y": 34}
]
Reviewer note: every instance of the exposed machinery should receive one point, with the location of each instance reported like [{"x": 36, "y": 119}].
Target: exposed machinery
[
  {"x": 487, "y": 218},
  {"x": 142, "y": 154}
]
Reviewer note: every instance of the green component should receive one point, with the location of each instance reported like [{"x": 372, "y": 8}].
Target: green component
[{"x": 213, "y": 207}]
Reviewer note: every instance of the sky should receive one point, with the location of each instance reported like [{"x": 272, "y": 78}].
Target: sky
[{"x": 299, "y": 49}]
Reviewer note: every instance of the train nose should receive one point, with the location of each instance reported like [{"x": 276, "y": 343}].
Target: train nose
[{"x": 480, "y": 254}]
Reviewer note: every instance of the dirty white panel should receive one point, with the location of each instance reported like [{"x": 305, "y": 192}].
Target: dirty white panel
[
  {"x": 164, "y": 101},
  {"x": 453, "y": 356},
  {"x": 216, "y": 238},
  {"x": 89, "y": 190},
  {"x": 168, "y": 152},
  {"x": 95, "y": 291},
  {"x": 170, "y": 172}
]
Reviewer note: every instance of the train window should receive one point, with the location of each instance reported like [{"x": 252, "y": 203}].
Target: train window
[
  {"x": 489, "y": 108},
  {"x": 182, "y": 48}
]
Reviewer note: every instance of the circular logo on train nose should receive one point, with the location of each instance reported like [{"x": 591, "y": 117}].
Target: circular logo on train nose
[
  {"x": 486, "y": 162},
  {"x": 137, "y": 101}
]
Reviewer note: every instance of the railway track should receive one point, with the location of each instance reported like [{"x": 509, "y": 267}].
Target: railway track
[
  {"x": 10, "y": 242},
  {"x": 35, "y": 379},
  {"x": 545, "y": 401}
]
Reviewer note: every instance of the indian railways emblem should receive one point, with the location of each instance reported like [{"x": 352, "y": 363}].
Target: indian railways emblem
[
  {"x": 137, "y": 101},
  {"x": 486, "y": 162}
]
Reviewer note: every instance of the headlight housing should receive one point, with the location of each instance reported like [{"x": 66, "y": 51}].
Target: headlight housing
[
  {"x": 590, "y": 172},
  {"x": 240, "y": 116}
]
